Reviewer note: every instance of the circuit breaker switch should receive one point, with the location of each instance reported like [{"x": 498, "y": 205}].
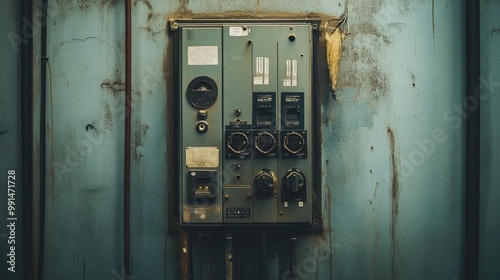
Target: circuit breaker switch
[
  {"x": 265, "y": 184},
  {"x": 294, "y": 181},
  {"x": 294, "y": 186}
]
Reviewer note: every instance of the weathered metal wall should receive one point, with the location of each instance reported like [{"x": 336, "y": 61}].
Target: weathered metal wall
[
  {"x": 393, "y": 172},
  {"x": 490, "y": 141},
  {"x": 10, "y": 134}
]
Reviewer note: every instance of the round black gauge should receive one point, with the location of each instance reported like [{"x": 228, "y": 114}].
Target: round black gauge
[
  {"x": 238, "y": 142},
  {"x": 294, "y": 142},
  {"x": 202, "y": 92},
  {"x": 265, "y": 142}
]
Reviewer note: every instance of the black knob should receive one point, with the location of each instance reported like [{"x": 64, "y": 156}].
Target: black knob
[
  {"x": 265, "y": 142},
  {"x": 291, "y": 37},
  {"x": 294, "y": 180},
  {"x": 265, "y": 183},
  {"x": 294, "y": 142},
  {"x": 202, "y": 114}
]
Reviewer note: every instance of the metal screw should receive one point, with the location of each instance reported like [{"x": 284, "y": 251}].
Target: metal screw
[{"x": 174, "y": 25}]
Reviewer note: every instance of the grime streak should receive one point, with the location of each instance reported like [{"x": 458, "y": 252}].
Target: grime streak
[{"x": 394, "y": 192}]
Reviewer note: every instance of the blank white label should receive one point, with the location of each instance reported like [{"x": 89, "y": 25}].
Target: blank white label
[
  {"x": 202, "y": 157},
  {"x": 203, "y": 55}
]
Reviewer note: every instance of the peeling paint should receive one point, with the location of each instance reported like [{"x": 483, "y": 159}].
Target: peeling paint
[{"x": 333, "y": 53}]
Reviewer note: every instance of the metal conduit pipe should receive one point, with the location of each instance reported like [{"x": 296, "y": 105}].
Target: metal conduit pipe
[
  {"x": 263, "y": 261},
  {"x": 293, "y": 256},
  {"x": 43, "y": 135},
  {"x": 472, "y": 141},
  {"x": 185, "y": 260},
  {"x": 229, "y": 257},
  {"x": 128, "y": 128}
]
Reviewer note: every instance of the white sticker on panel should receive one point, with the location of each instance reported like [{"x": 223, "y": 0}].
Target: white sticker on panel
[
  {"x": 261, "y": 71},
  {"x": 238, "y": 31},
  {"x": 203, "y": 55},
  {"x": 202, "y": 157},
  {"x": 290, "y": 73}
]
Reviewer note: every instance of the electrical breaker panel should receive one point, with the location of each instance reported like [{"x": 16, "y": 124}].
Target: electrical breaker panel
[{"x": 245, "y": 117}]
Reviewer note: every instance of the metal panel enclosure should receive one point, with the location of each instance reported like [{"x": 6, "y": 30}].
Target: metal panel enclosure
[{"x": 245, "y": 102}]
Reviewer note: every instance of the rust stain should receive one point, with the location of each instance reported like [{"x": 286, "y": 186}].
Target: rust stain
[
  {"x": 394, "y": 204},
  {"x": 70, "y": 7},
  {"x": 151, "y": 18},
  {"x": 141, "y": 131},
  {"x": 184, "y": 7},
  {"x": 329, "y": 195},
  {"x": 108, "y": 118},
  {"x": 376, "y": 238},
  {"x": 360, "y": 67},
  {"x": 113, "y": 86},
  {"x": 184, "y": 13},
  {"x": 146, "y": 2}
]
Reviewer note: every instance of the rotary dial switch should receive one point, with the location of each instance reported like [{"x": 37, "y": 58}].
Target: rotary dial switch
[
  {"x": 294, "y": 180},
  {"x": 294, "y": 142},
  {"x": 265, "y": 142},
  {"x": 293, "y": 186},
  {"x": 265, "y": 184}
]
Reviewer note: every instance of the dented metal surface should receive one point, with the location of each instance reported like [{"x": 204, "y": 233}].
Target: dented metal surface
[{"x": 391, "y": 208}]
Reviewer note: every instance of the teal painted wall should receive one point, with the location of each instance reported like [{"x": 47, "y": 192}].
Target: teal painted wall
[{"x": 393, "y": 143}]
